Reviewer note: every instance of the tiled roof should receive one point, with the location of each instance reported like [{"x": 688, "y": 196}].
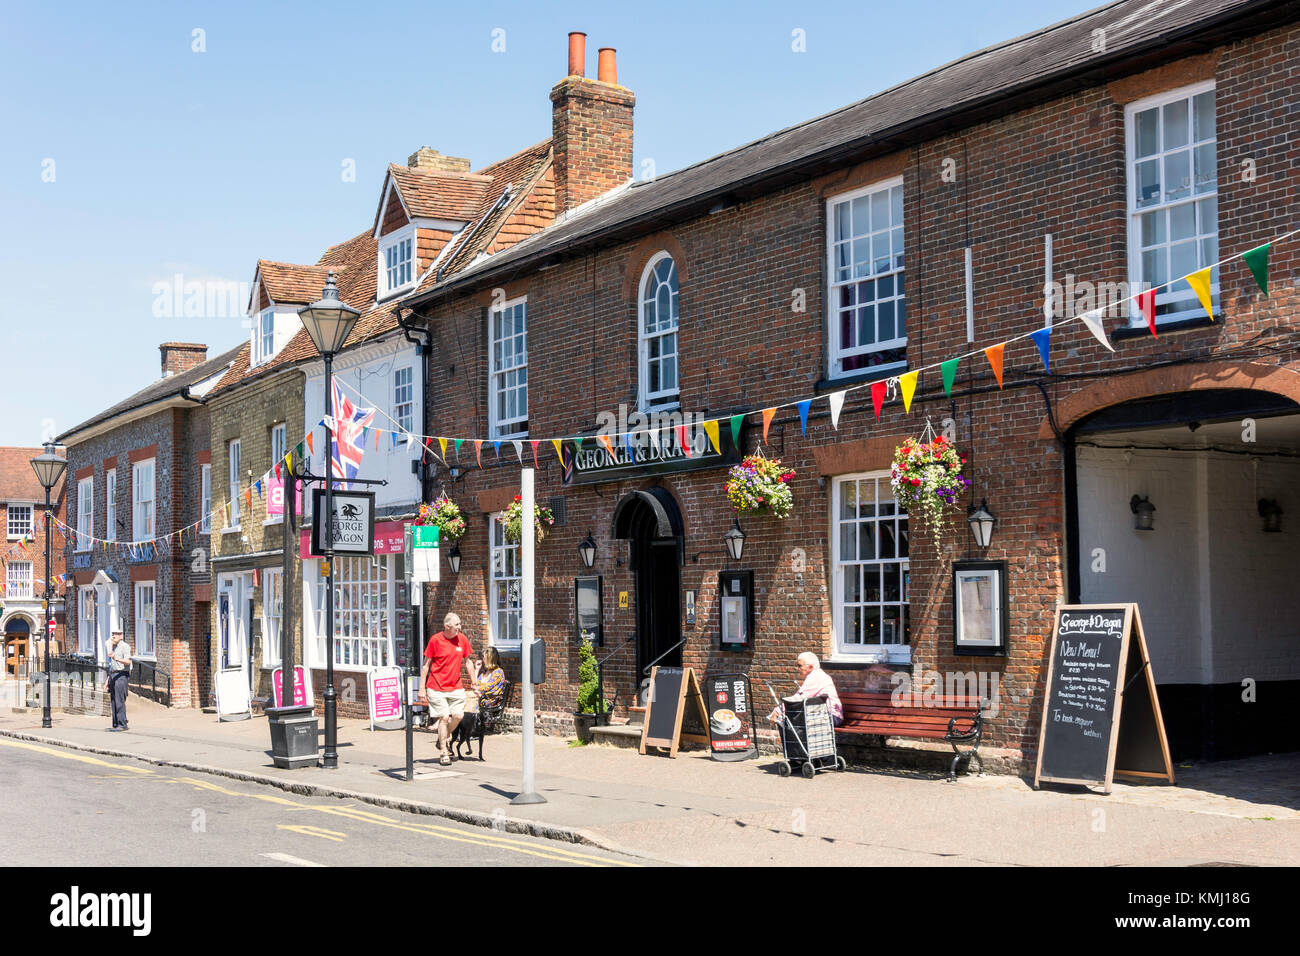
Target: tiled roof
[
  {"x": 431, "y": 194},
  {"x": 161, "y": 389},
  {"x": 18, "y": 480},
  {"x": 291, "y": 284},
  {"x": 992, "y": 82}
]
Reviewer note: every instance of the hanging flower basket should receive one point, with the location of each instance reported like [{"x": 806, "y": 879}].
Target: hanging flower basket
[
  {"x": 513, "y": 518},
  {"x": 927, "y": 481},
  {"x": 444, "y": 514},
  {"x": 759, "y": 486}
]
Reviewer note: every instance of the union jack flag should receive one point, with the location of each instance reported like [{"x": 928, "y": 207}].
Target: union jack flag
[{"x": 349, "y": 436}]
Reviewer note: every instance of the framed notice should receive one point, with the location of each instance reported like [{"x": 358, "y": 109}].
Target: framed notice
[
  {"x": 588, "y": 610},
  {"x": 979, "y": 607},
  {"x": 354, "y": 522},
  {"x": 735, "y": 609}
]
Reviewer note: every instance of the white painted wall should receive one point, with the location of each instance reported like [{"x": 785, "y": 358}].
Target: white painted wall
[
  {"x": 1217, "y": 594},
  {"x": 369, "y": 372}
]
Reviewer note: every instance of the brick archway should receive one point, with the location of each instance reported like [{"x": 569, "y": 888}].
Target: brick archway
[{"x": 1160, "y": 381}]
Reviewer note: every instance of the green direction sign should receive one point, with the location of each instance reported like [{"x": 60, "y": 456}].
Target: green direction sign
[{"x": 426, "y": 536}]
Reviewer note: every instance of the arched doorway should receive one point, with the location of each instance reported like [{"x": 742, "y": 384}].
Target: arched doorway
[
  {"x": 17, "y": 638},
  {"x": 651, "y": 522}
]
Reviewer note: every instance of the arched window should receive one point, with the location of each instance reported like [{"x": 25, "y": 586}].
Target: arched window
[{"x": 657, "y": 333}]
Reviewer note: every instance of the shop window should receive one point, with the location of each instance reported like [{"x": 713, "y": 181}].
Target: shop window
[
  {"x": 867, "y": 306},
  {"x": 870, "y": 542},
  {"x": 362, "y": 611},
  {"x": 1173, "y": 198},
  {"x": 657, "y": 334},
  {"x": 506, "y": 617}
]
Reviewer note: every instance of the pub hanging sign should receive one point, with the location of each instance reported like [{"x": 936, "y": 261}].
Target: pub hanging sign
[{"x": 354, "y": 522}]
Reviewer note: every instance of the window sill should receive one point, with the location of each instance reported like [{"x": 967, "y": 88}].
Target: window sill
[
  {"x": 235, "y": 530},
  {"x": 857, "y": 664},
  {"x": 877, "y": 374},
  {"x": 1163, "y": 328},
  {"x": 270, "y": 521}
]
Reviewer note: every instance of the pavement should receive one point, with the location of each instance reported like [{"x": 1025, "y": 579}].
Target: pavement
[{"x": 694, "y": 810}]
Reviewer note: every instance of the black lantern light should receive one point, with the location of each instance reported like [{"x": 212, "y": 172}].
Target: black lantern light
[
  {"x": 981, "y": 522},
  {"x": 735, "y": 541},
  {"x": 453, "y": 558},
  {"x": 329, "y": 321},
  {"x": 1144, "y": 511},
  {"x": 1271, "y": 512},
  {"x": 588, "y": 550},
  {"x": 49, "y": 468}
]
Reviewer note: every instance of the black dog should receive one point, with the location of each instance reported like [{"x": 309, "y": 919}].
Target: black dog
[{"x": 464, "y": 735}]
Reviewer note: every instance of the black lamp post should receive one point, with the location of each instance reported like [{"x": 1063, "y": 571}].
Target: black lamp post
[
  {"x": 981, "y": 522},
  {"x": 49, "y": 469},
  {"x": 588, "y": 550},
  {"x": 328, "y": 321},
  {"x": 735, "y": 541}
]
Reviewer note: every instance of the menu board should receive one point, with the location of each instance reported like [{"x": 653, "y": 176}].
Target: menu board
[
  {"x": 1098, "y": 657},
  {"x": 675, "y": 712},
  {"x": 729, "y": 701}
]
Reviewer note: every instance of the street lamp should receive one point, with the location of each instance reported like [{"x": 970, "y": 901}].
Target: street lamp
[
  {"x": 329, "y": 321},
  {"x": 735, "y": 541},
  {"x": 49, "y": 468},
  {"x": 981, "y": 522},
  {"x": 588, "y": 550}
]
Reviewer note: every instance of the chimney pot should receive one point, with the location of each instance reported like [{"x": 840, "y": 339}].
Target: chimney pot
[
  {"x": 607, "y": 65},
  {"x": 577, "y": 54}
]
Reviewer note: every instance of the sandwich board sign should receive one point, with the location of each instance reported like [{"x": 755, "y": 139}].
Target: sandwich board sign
[
  {"x": 233, "y": 699},
  {"x": 1101, "y": 715},
  {"x": 385, "y": 687},
  {"x": 675, "y": 712}
]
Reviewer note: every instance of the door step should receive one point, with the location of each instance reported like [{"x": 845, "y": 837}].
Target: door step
[
  {"x": 617, "y": 735},
  {"x": 635, "y": 716}
]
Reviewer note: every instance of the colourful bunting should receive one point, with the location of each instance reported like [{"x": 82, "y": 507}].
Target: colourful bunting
[
  {"x": 1200, "y": 283},
  {"x": 803, "y": 414},
  {"x": 535, "y": 443},
  {"x": 736, "y": 421},
  {"x": 497, "y": 445},
  {"x": 949, "y": 370},
  {"x": 627, "y": 444},
  {"x": 711, "y": 429},
  {"x": 459, "y": 442},
  {"x": 878, "y": 390},
  {"x": 1042, "y": 338},
  {"x": 478, "y": 451},
  {"x": 442, "y": 443},
  {"x": 1147, "y": 305},
  {"x": 684, "y": 440},
  {"x": 907, "y": 385},
  {"x": 559, "y": 449},
  {"x": 768, "y": 415},
  {"x": 1257, "y": 261},
  {"x": 837, "y": 403},
  {"x": 609, "y": 445},
  {"x": 311, "y": 445},
  {"x": 994, "y": 354},
  {"x": 519, "y": 450},
  {"x": 1093, "y": 321}
]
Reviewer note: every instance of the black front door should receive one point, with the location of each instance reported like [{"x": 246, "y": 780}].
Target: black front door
[{"x": 658, "y": 602}]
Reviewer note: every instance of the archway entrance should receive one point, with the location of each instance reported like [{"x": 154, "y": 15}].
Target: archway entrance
[
  {"x": 652, "y": 524},
  {"x": 17, "y": 636},
  {"x": 1214, "y": 574}
]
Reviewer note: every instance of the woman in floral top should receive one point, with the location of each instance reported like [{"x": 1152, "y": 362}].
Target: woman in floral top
[{"x": 490, "y": 680}]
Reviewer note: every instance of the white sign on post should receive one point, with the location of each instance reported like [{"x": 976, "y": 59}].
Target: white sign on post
[{"x": 424, "y": 554}]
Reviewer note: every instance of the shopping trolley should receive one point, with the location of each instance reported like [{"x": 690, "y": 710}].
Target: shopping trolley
[{"x": 807, "y": 735}]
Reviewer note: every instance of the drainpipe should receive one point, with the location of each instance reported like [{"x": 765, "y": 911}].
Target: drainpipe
[{"x": 423, "y": 346}]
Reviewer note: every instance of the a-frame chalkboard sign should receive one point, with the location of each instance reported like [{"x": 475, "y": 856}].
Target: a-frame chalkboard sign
[
  {"x": 1101, "y": 716},
  {"x": 675, "y": 711}
]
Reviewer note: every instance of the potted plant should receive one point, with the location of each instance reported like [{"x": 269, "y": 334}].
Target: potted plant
[
  {"x": 927, "y": 481},
  {"x": 513, "y": 518},
  {"x": 760, "y": 485},
  {"x": 587, "y": 716}
]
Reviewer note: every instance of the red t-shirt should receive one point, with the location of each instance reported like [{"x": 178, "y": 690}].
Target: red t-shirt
[{"x": 445, "y": 659}]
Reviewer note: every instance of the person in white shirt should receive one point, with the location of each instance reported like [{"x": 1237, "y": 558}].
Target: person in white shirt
[
  {"x": 816, "y": 683},
  {"x": 119, "y": 668}
]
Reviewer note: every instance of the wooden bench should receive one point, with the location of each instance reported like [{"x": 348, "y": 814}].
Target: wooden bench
[{"x": 954, "y": 720}]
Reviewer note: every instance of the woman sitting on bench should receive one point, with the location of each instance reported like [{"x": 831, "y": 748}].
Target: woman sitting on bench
[{"x": 816, "y": 683}]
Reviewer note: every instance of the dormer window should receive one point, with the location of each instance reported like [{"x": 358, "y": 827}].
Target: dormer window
[
  {"x": 396, "y": 262},
  {"x": 264, "y": 338}
]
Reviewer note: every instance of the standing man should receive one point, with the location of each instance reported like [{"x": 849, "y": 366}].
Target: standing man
[
  {"x": 119, "y": 668},
  {"x": 440, "y": 682}
]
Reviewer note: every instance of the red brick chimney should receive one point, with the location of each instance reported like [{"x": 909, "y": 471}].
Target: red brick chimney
[
  {"x": 591, "y": 125},
  {"x": 180, "y": 357}
]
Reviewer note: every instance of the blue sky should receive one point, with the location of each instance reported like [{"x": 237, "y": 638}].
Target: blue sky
[{"x": 129, "y": 158}]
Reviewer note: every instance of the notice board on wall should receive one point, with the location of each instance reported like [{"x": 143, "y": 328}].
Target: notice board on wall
[{"x": 1101, "y": 715}]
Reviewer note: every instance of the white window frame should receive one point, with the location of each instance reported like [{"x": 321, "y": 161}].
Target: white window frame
[
  {"x": 87, "y": 625},
  {"x": 499, "y": 427},
  {"x": 264, "y": 330},
  {"x": 404, "y": 398},
  {"x": 881, "y": 650},
  {"x": 17, "y": 586},
  {"x": 110, "y": 505},
  {"x": 144, "y": 510},
  {"x": 19, "y": 530},
  {"x": 279, "y": 444},
  {"x": 896, "y": 272},
  {"x": 400, "y": 275},
  {"x": 146, "y": 628},
  {"x": 363, "y": 613},
  {"x": 1168, "y": 296},
  {"x": 272, "y": 615},
  {"x": 233, "y": 464},
  {"x": 205, "y": 499},
  {"x": 85, "y": 513},
  {"x": 664, "y": 398},
  {"x": 505, "y": 617}
]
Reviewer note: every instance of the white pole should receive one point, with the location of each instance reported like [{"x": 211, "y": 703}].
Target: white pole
[{"x": 527, "y": 550}]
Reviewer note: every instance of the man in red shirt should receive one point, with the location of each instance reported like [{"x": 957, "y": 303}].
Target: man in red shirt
[{"x": 440, "y": 681}]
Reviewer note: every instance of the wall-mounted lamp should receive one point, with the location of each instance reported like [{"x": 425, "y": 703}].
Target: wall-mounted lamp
[
  {"x": 981, "y": 522},
  {"x": 1271, "y": 512},
  {"x": 1144, "y": 510},
  {"x": 453, "y": 558},
  {"x": 588, "y": 550},
  {"x": 735, "y": 541}
]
